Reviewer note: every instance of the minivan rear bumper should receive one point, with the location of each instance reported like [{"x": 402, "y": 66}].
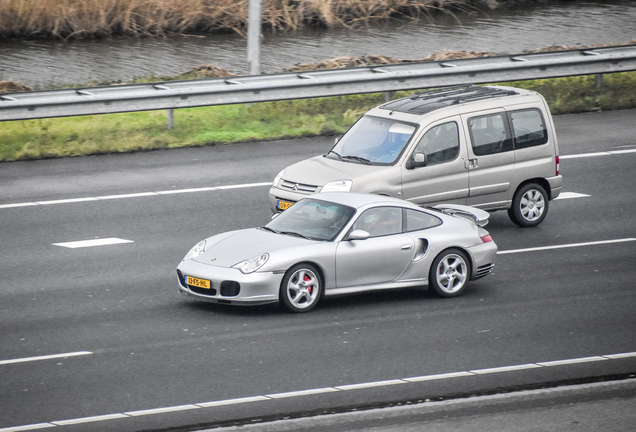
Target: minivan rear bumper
[{"x": 556, "y": 183}]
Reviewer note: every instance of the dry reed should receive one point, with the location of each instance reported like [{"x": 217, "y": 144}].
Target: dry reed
[{"x": 104, "y": 18}]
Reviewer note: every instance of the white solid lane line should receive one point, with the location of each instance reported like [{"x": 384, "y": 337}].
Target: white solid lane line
[
  {"x": 597, "y": 154},
  {"x": 45, "y": 357},
  {"x": 135, "y": 195},
  {"x": 94, "y": 242},
  {"x": 301, "y": 393},
  {"x": 249, "y": 185},
  {"x": 571, "y": 245}
]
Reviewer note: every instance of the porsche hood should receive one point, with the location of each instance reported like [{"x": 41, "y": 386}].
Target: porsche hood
[{"x": 245, "y": 244}]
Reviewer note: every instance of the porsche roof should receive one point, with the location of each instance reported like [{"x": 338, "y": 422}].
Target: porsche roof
[{"x": 358, "y": 200}]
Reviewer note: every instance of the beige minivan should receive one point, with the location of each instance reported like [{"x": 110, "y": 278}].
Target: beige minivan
[{"x": 490, "y": 147}]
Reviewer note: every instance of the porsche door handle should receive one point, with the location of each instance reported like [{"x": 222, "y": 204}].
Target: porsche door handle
[{"x": 406, "y": 247}]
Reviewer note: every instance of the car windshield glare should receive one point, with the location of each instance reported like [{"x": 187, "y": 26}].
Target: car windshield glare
[
  {"x": 311, "y": 218},
  {"x": 373, "y": 140}
]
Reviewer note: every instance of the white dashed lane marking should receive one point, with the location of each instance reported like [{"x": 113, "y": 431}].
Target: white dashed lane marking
[
  {"x": 568, "y": 195},
  {"x": 45, "y": 357},
  {"x": 94, "y": 242}
]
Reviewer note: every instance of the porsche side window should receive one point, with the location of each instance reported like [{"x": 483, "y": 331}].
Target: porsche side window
[
  {"x": 489, "y": 134},
  {"x": 440, "y": 143},
  {"x": 380, "y": 221},
  {"x": 528, "y": 128},
  {"x": 418, "y": 220}
]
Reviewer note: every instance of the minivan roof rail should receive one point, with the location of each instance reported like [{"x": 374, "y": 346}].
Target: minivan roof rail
[
  {"x": 426, "y": 101},
  {"x": 443, "y": 91}
]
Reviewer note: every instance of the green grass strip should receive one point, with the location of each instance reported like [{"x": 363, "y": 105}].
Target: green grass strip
[{"x": 128, "y": 132}]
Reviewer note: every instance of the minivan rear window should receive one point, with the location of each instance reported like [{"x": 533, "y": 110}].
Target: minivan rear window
[{"x": 528, "y": 128}]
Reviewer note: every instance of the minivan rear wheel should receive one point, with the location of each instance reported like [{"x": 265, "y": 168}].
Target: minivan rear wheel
[{"x": 529, "y": 205}]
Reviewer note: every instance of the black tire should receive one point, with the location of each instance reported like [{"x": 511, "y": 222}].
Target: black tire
[
  {"x": 529, "y": 206},
  {"x": 449, "y": 273},
  {"x": 301, "y": 288}
]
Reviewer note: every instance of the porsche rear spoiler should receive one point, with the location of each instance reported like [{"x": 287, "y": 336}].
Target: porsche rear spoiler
[{"x": 480, "y": 217}]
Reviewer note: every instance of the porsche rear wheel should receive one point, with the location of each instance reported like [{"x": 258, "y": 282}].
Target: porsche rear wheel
[
  {"x": 301, "y": 288},
  {"x": 449, "y": 273}
]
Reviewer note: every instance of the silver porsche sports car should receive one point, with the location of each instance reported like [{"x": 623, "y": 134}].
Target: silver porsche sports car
[{"x": 339, "y": 243}]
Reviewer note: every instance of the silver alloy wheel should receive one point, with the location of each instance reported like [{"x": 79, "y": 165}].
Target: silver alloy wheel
[
  {"x": 532, "y": 205},
  {"x": 303, "y": 288},
  {"x": 451, "y": 273}
]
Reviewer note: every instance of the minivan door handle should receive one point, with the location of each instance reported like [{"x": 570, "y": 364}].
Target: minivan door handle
[{"x": 470, "y": 163}]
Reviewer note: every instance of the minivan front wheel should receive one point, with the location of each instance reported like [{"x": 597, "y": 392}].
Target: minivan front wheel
[{"x": 529, "y": 205}]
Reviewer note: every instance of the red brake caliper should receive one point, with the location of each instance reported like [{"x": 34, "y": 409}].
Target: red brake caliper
[{"x": 307, "y": 279}]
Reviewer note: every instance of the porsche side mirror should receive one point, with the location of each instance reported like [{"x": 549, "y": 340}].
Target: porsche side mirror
[{"x": 359, "y": 235}]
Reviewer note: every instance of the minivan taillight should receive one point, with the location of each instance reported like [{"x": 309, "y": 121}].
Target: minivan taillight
[{"x": 557, "y": 165}]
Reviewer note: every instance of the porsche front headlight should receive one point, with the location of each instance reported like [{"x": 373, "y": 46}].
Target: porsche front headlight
[
  {"x": 251, "y": 265},
  {"x": 197, "y": 250}
]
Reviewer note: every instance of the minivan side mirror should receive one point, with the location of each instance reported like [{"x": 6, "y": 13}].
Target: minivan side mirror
[{"x": 417, "y": 160}]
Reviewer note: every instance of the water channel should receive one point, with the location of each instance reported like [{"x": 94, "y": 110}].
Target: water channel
[{"x": 40, "y": 64}]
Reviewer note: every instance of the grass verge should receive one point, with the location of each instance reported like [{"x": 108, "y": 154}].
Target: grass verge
[{"x": 88, "y": 135}]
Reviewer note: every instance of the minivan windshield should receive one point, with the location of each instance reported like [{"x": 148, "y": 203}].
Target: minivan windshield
[{"x": 373, "y": 140}]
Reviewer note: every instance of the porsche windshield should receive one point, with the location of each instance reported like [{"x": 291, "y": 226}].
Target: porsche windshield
[
  {"x": 373, "y": 140},
  {"x": 313, "y": 219}
]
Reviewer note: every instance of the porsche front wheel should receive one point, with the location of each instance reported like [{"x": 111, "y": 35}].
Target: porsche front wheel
[{"x": 301, "y": 288}]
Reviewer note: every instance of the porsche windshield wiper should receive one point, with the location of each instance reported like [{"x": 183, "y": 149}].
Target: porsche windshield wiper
[
  {"x": 294, "y": 233},
  {"x": 266, "y": 228},
  {"x": 358, "y": 158}
]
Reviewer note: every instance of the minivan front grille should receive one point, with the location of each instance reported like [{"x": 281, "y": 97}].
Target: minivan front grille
[{"x": 300, "y": 187}]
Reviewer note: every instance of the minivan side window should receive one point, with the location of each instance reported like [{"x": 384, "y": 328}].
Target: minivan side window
[
  {"x": 489, "y": 134},
  {"x": 528, "y": 128},
  {"x": 440, "y": 143}
]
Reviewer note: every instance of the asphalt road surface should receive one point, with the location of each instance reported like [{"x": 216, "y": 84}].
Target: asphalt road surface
[{"x": 96, "y": 337}]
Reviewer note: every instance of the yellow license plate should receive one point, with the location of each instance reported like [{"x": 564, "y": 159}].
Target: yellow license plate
[
  {"x": 201, "y": 283},
  {"x": 284, "y": 205}
]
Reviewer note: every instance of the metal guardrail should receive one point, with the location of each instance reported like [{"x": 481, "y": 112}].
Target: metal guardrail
[{"x": 262, "y": 88}]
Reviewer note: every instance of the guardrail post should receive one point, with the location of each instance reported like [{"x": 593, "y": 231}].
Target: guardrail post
[
  {"x": 170, "y": 119},
  {"x": 599, "y": 81},
  {"x": 388, "y": 96},
  {"x": 254, "y": 37}
]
